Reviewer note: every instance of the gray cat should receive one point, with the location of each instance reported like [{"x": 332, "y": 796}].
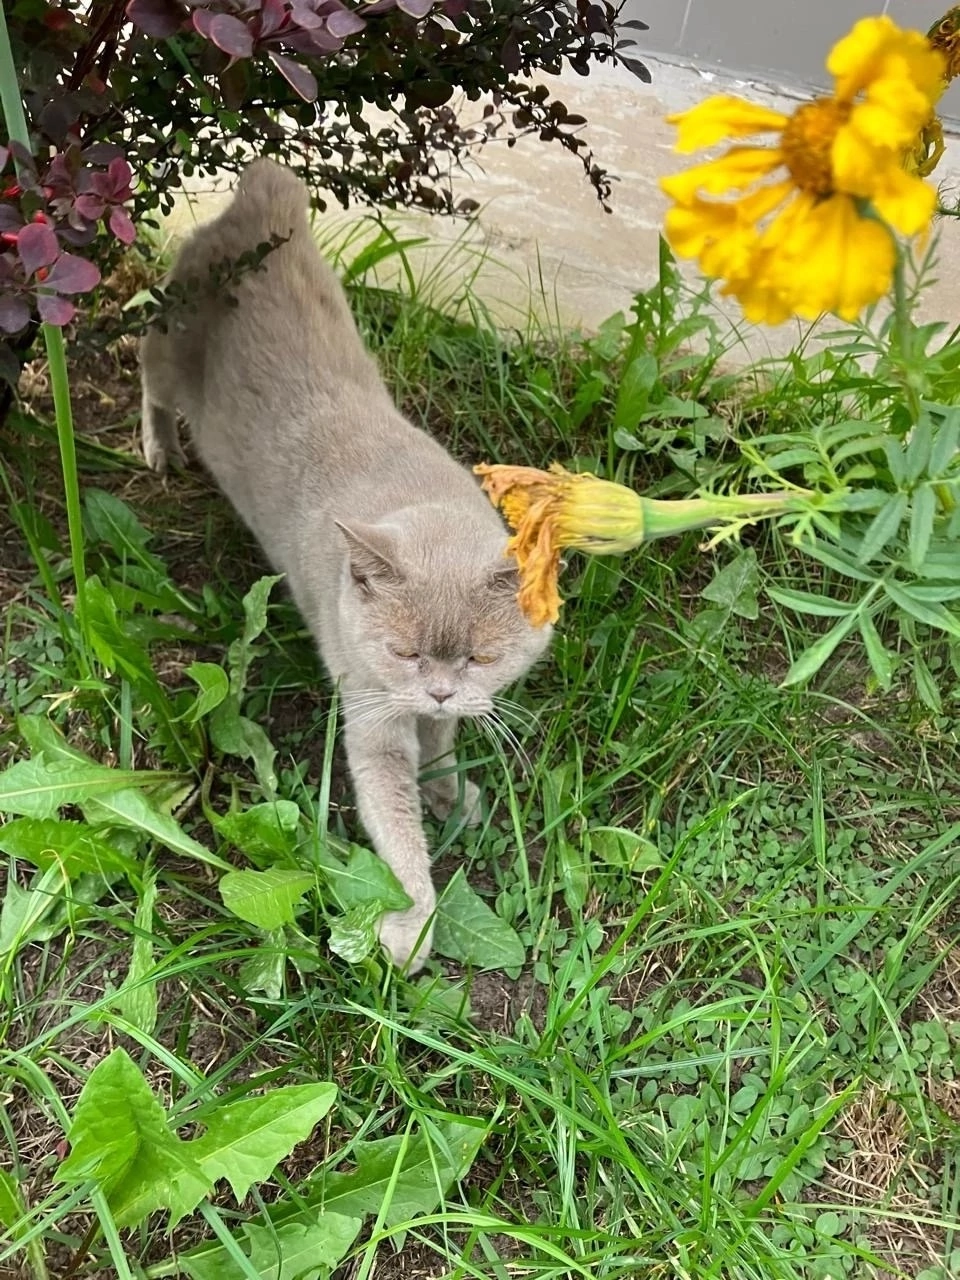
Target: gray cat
[{"x": 393, "y": 555}]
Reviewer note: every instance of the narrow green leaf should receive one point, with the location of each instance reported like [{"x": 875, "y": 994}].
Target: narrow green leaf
[
  {"x": 880, "y": 659},
  {"x": 923, "y": 512},
  {"x": 240, "y": 655},
  {"x": 811, "y": 660},
  {"x": 946, "y": 441},
  {"x": 38, "y": 787},
  {"x": 72, "y": 846},
  {"x": 934, "y": 615},
  {"x": 633, "y": 395},
  {"x": 137, "y": 996},
  {"x": 927, "y": 689},
  {"x": 917, "y": 453},
  {"x": 806, "y": 602},
  {"x": 133, "y": 809},
  {"x": 467, "y": 930},
  {"x": 267, "y": 899},
  {"x": 883, "y": 527},
  {"x": 292, "y": 1251}
]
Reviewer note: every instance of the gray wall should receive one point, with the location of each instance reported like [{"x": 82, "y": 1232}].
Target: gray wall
[{"x": 785, "y": 41}]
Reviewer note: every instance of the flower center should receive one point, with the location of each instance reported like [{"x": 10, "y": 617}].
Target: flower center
[{"x": 807, "y": 142}]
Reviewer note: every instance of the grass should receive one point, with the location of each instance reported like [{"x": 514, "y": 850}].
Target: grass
[{"x": 709, "y": 1025}]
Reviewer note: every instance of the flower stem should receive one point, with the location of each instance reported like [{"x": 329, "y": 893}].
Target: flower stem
[{"x": 17, "y": 130}]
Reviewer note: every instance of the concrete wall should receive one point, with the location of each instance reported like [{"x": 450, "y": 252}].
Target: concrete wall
[{"x": 782, "y": 41}]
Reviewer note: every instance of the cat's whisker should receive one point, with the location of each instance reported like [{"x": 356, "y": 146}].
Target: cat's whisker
[
  {"x": 521, "y": 716},
  {"x": 500, "y": 733}
]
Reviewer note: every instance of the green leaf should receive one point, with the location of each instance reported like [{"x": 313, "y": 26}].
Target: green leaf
[
  {"x": 934, "y": 615},
  {"x": 917, "y": 453},
  {"x": 946, "y": 442},
  {"x": 246, "y": 1140},
  {"x": 812, "y": 659},
  {"x": 214, "y": 686},
  {"x": 240, "y": 654},
  {"x": 120, "y": 1140},
  {"x": 133, "y": 809},
  {"x": 923, "y": 512},
  {"x": 262, "y": 973},
  {"x": 620, "y": 847},
  {"x": 428, "y": 1168},
  {"x": 352, "y": 936},
  {"x": 633, "y": 395},
  {"x": 267, "y": 899},
  {"x": 137, "y": 997},
  {"x": 72, "y": 846},
  {"x": 467, "y": 930},
  {"x": 926, "y": 685},
  {"x": 38, "y": 787},
  {"x": 805, "y": 602},
  {"x": 112, "y": 521},
  {"x": 235, "y": 735},
  {"x": 264, "y": 832},
  {"x": 292, "y": 1251},
  {"x": 13, "y": 1213},
  {"x": 25, "y": 911},
  {"x": 736, "y": 585},
  {"x": 364, "y": 878},
  {"x": 880, "y": 659},
  {"x": 884, "y": 526}
]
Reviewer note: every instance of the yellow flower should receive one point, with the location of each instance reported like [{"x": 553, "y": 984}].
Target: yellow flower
[
  {"x": 549, "y": 510},
  {"x": 803, "y": 225}
]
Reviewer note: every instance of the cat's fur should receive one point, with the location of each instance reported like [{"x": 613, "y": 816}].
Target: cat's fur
[{"x": 393, "y": 555}]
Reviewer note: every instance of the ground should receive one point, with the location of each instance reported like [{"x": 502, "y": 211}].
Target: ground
[{"x": 731, "y": 1047}]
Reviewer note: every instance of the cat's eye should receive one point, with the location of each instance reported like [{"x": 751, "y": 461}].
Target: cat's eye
[
  {"x": 408, "y": 655},
  {"x": 483, "y": 659}
]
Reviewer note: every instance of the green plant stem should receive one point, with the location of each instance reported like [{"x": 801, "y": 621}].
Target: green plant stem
[{"x": 17, "y": 130}]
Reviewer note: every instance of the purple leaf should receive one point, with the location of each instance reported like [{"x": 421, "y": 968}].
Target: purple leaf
[
  {"x": 158, "y": 18},
  {"x": 101, "y": 153},
  {"x": 304, "y": 13},
  {"x": 70, "y": 274},
  {"x": 37, "y": 246},
  {"x": 121, "y": 176},
  {"x": 122, "y": 226},
  {"x": 14, "y": 313},
  {"x": 54, "y": 310},
  {"x": 11, "y": 219},
  {"x": 90, "y": 206},
  {"x": 301, "y": 79},
  {"x": 272, "y": 17},
  {"x": 227, "y": 32},
  {"x": 342, "y": 23},
  {"x": 415, "y": 8}
]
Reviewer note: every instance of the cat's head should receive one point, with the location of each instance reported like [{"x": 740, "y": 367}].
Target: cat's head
[{"x": 428, "y": 606}]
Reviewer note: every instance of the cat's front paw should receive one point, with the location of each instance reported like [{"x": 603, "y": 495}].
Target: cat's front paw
[
  {"x": 444, "y": 803},
  {"x": 407, "y": 937}
]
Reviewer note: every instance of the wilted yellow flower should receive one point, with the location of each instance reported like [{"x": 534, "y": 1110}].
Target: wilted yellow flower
[
  {"x": 549, "y": 510},
  {"x": 944, "y": 36},
  {"x": 802, "y": 226}
]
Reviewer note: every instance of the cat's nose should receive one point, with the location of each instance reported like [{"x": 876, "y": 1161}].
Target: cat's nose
[{"x": 440, "y": 695}]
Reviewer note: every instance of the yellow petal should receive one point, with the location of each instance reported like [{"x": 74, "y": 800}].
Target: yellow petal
[
  {"x": 876, "y": 48},
  {"x": 905, "y": 202},
  {"x": 722, "y": 117},
  {"x": 892, "y": 114},
  {"x": 857, "y": 165},
  {"x": 739, "y": 168},
  {"x": 691, "y": 228}
]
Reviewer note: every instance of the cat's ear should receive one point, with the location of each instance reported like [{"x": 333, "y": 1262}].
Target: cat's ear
[
  {"x": 372, "y": 554},
  {"x": 504, "y": 578}
]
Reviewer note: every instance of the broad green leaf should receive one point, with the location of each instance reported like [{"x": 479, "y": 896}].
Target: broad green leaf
[
  {"x": 620, "y": 847},
  {"x": 633, "y": 395},
  {"x": 923, "y": 512},
  {"x": 363, "y": 878},
  {"x": 262, "y": 973},
  {"x": 115, "y": 644},
  {"x": 72, "y": 846},
  {"x": 268, "y": 898},
  {"x": 735, "y": 587},
  {"x": 239, "y": 655},
  {"x": 133, "y": 809},
  {"x": 25, "y": 914},
  {"x": 113, "y": 522},
  {"x": 38, "y": 787},
  {"x": 213, "y": 684},
  {"x": 246, "y": 1140},
  {"x": 806, "y": 602},
  {"x": 235, "y": 735},
  {"x": 264, "y": 832},
  {"x": 137, "y": 996},
  {"x": 883, "y": 527},
  {"x": 934, "y": 615},
  {"x": 120, "y": 1139},
  {"x": 812, "y": 659},
  {"x": 467, "y": 930},
  {"x": 428, "y": 1170},
  {"x": 292, "y": 1251},
  {"x": 352, "y": 936},
  {"x": 879, "y": 657}
]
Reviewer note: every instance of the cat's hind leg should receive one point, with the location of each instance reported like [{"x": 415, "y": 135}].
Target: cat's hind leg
[{"x": 444, "y": 788}]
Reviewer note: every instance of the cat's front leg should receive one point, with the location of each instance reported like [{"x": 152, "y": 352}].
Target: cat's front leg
[
  {"x": 384, "y": 760},
  {"x": 444, "y": 790}
]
